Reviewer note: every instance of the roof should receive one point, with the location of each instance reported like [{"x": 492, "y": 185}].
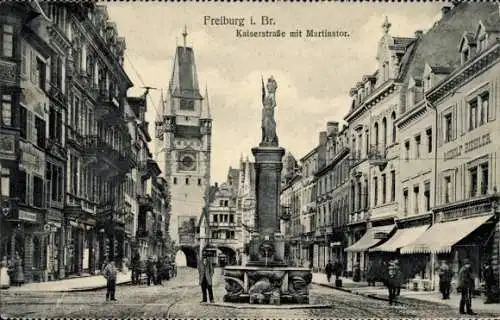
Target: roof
[
  {"x": 184, "y": 81},
  {"x": 438, "y": 46}
]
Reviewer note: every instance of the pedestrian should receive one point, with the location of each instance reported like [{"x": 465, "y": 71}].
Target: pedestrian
[
  {"x": 4, "y": 274},
  {"x": 445, "y": 276},
  {"x": 394, "y": 280},
  {"x": 18, "y": 270},
  {"x": 159, "y": 271},
  {"x": 371, "y": 274},
  {"x": 490, "y": 283},
  {"x": 466, "y": 286},
  {"x": 356, "y": 276},
  {"x": 150, "y": 270},
  {"x": 135, "y": 266},
  {"x": 328, "y": 271},
  {"x": 206, "y": 271},
  {"x": 110, "y": 275}
]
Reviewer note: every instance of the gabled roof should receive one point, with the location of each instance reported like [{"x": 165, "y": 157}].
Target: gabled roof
[{"x": 438, "y": 46}]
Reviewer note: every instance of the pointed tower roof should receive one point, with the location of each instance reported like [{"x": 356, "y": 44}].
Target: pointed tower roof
[
  {"x": 205, "y": 107},
  {"x": 184, "y": 81},
  {"x": 166, "y": 104}
]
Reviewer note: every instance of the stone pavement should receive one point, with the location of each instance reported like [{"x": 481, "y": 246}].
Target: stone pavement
[
  {"x": 380, "y": 292},
  {"x": 85, "y": 283}
]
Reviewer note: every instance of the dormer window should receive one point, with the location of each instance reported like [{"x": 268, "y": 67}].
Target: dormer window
[
  {"x": 482, "y": 43},
  {"x": 428, "y": 82}
]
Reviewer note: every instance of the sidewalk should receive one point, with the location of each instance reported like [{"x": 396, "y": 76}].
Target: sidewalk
[
  {"x": 380, "y": 292},
  {"x": 87, "y": 283}
]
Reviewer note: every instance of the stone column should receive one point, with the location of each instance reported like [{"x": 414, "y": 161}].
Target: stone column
[
  {"x": 60, "y": 251},
  {"x": 268, "y": 167}
]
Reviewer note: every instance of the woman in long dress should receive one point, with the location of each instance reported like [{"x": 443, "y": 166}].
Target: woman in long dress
[{"x": 4, "y": 274}]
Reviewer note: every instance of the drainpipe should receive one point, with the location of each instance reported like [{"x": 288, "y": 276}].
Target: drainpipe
[{"x": 433, "y": 216}]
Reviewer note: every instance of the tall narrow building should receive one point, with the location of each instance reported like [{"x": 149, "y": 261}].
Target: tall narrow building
[{"x": 185, "y": 134}]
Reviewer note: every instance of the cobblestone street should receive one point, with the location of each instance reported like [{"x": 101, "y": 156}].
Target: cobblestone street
[{"x": 180, "y": 298}]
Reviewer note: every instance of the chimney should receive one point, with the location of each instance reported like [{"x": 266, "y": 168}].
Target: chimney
[
  {"x": 444, "y": 11},
  {"x": 216, "y": 185},
  {"x": 332, "y": 128},
  {"x": 322, "y": 138},
  {"x": 418, "y": 34}
]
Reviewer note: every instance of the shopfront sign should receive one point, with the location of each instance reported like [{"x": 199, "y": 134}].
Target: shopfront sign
[
  {"x": 469, "y": 146},
  {"x": 27, "y": 216}
]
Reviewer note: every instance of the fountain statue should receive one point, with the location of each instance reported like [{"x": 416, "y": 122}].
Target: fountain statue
[{"x": 266, "y": 278}]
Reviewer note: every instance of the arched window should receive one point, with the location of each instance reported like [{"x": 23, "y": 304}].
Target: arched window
[
  {"x": 384, "y": 132},
  {"x": 376, "y": 134},
  {"x": 393, "y": 120}
]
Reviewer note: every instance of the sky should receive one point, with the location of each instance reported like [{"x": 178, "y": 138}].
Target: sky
[{"x": 314, "y": 75}]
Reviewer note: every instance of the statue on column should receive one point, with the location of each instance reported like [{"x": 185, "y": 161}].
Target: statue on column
[{"x": 269, "y": 137}]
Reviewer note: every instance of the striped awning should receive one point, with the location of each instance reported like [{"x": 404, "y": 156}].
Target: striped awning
[
  {"x": 401, "y": 238},
  {"x": 370, "y": 238},
  {"x": 441, "y": 237}
]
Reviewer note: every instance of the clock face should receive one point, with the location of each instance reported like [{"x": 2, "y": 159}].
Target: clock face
[{"x": 188, "y": 163}]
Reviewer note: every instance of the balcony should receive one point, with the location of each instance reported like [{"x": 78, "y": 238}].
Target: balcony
[
  {"x": 79, "y": 208},
  {"x": 145, "y": 202},
  {"x": 378, "y": 156},
  {"x": 107, "y": 106},
  {"x": 148, "y": 168},
  {"x": 103, "y": 157},
  {"x": 74, "y": 139},
  {"x": 57, "y": 95},
  {"x": 128, "y": 159}
]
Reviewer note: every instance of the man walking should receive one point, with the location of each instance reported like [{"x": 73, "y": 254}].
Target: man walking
[
  {"x": 328, "y": 271},
  {"x": 490, "y": 283},
  {"x": 445, "y": 276},
  {"x": 135, "y": 266},
  {"x": 110, "y": 275},
  {"x": 466, "y": 285},
  {"x": 206, "y": 271}
]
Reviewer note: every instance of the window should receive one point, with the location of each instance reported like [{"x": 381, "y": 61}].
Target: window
[
  {"x": 216, "y": 217},
  {"x": 375, "y": 191},
  {"x": 76, "y": 114},
  {"x": 473, "y": 182},
  {"x": 199, "y": 182},
  {"x": 484, "y": 113},
  {"x": 24, "y": 57},
  {"x": 55, "y": 179},
  {"x": 40, "y": 73},
  {"x": 175, "y": 180},
  {"x": 40, "y": 132},
  {"x": 407, "y": 150},
  {"x": 448, "y": 127},
  {"x": 23, "y": 117},
  {"x": 359, "y": 196},
  {"x": 384, "y": 132},
  {"x": 37, "y": 192},
  {"x": 5, "y": 182},
  {"x": 417, "y": 146},
  {"x": 405, "y": 201},
  {"x": 428, "y": 133},
  {"x": 55, "y": 126},
  {"x": 365, "y": 192},
  {"x": 473, "y": 114},
  {"x": 187, "y": 180},
  {"x": 376, "y": 134},
  {"x": 7, "y": 107},
  {"x": 74, "y": 175},
  {"x": 416, "y": 191},
  {"x": 384, "y": 188},
  {"x": 484, "y": 178},
  {"x": 226, "y": 203},
  {"x": 231, "y": 218},
  {"x": 393, "y": 185},
  {"x": 393, "y": 118},
  {"x": 465, "y": 55},
  {"x": 427, "y": 196},
  {"x": 447, "y": 189},
  {"x": 7, "y": 41}
]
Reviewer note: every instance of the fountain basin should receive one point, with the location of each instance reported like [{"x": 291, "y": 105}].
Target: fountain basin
[{"x": 267, "y": 284}]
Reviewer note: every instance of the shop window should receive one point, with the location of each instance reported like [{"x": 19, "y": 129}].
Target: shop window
[
  {"x": 7, "y": 107},
  {"x": 7, "y": 41},
  {"x": 55, "y": 125},
  {"x": 231, "y": 218},
  {"x": 23, "y": 118},
  {"x": 484, "y": 105}
]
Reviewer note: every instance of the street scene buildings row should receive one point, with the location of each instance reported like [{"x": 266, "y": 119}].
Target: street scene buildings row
[
  {"x": 78, "y": 181},
  {"x": 413, "y": 173}
]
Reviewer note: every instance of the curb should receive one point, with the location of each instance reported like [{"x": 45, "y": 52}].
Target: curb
[
  {"x": 269, "y": 307},
  {"x": 368, "y": 295}
]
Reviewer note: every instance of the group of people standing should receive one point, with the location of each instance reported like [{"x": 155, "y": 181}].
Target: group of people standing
[
  {"x": 156, "y": 269},
  {"x": 11, "y": 272}
]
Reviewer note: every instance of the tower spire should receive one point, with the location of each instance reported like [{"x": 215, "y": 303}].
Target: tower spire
[
  {"x": 184, "y": 35},
  {"x": 205, "y": 112},
  {"x": 386, "y": 26}
]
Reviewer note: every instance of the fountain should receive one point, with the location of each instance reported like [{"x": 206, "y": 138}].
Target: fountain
[{"x": 266, "y": 278}]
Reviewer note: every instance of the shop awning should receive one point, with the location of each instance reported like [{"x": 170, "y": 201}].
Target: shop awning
[
  {"x": 370, "y": 238},
  {"x": 442, "y": 236},
  {"x": 401, "y": 238}
]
